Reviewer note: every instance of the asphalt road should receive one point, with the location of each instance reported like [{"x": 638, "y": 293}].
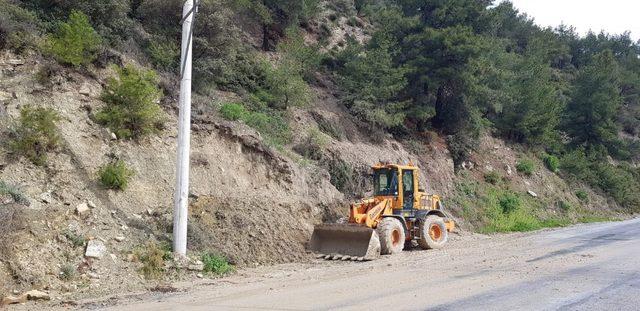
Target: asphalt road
[{"x": 585, "y": 267}]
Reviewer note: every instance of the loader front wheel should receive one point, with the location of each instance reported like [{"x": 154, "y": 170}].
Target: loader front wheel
[
  {"x": 433, "y": 233},
  {"x": 391, "y": 234}
]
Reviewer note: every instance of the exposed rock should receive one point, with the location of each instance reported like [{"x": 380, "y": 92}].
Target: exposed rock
[
  {"x": 113, "y": 136},
  {"x": 196, "y": 267},
  {"x": 95, "y": 249},
  {"x": 93, "y": 275},
  {"x": 199, "y": 275},
  {"x": 37, "y": 295},
  {"x": 9, "y": 300},
  {"x": 105, "y": 133},
  {"x": 85, "y": 90},
  {"x": 119, "y": 238},
  {"x": 82, "y": 209},
  {"x": 533, "y": 194},
  {"x": 4, "y": 96},
  {"x": 5, "y": 199},
  {"x": 15, "y": 62},
  {"x": 467, "y": 165},
  {"x": 509, "y": 171},
  {"x": 46, "y": 197},
  {"x": 91, "y": 204}
]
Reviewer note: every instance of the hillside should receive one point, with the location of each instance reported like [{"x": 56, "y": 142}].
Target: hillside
[{"x": 292, "y": 105}]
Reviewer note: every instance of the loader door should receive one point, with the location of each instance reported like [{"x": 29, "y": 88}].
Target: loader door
[{"x": 407, "y": 189}]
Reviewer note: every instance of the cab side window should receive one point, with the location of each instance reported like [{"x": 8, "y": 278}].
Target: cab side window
[{"x": 407, "y": 181}]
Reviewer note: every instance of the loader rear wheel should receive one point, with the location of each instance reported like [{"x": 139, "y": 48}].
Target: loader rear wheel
[
  {"x": 433, "y": 233},
  {"x": 391, "y": 234}
]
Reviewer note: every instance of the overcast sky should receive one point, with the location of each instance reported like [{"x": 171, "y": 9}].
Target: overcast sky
[{"x": 612, "y": 16}]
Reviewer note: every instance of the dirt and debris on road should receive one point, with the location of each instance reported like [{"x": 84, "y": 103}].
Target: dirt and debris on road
[{"x": 585, "y": 267}]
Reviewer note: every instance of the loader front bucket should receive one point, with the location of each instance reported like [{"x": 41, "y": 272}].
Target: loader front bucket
[{"x": 345, "y": 242}]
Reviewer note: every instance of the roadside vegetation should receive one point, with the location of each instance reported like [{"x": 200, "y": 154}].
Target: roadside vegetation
[
  {"x": 216, "y": 264},
  {"x": 131, "y": 98},
  {"x": 115, "y": 175},
  {"x": 75, "y": 42},
  {"x": 453, "y": 69},
  {"x": 14, "y": 192},
  {"x": 34, "y": 134},
  {"x": 153, "y": 256}
]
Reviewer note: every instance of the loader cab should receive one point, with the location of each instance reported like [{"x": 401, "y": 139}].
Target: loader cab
[
  {"x": 385, "y": 182},
  {"x": 399, "y": 182}
]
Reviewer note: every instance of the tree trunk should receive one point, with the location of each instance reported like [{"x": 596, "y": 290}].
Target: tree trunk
[{"x": 439, "y": 119}]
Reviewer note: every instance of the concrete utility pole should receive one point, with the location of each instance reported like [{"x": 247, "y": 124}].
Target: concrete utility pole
[{"x": 181, "y": 198}]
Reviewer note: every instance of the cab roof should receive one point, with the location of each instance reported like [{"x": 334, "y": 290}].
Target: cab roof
[{"x": 381, "y": 165}]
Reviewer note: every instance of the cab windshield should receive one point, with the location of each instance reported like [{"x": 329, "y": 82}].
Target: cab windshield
[{"x": 385, "y": 182}]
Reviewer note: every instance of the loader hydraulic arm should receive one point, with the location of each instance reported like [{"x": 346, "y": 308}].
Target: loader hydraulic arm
[{"x": 369, "y": 213}]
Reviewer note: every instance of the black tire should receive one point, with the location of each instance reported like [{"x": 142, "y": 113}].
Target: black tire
[
  {"x": 433, "y": 233},
  {"x": 392, "y": 236}
]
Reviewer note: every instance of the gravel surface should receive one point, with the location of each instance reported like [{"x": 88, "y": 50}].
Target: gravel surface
[{"x": 584, "y": 267}]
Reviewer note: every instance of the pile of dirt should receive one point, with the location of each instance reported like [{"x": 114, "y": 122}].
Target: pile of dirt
[{"x": 255, "y": 195}]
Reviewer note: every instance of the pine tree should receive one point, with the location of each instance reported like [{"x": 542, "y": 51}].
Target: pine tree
[{"x": 590, "y": 118}]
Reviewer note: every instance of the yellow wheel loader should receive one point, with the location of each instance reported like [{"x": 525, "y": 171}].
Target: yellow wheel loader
[{"x": 398, "y": 214}]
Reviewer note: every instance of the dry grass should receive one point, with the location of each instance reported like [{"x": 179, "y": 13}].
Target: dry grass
[{"x": 13, "y": 220}]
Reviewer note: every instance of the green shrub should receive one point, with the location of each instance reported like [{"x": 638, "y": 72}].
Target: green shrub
[
  {"x": 621, "y": 183},
  {"x": 564, "y": 206},
  {"x": 578, "y": 164},
  {"x": 555, "y": 222},
  {"x": 115, "y": 175},
  {"x": 595, "y": 218},
  {"x": 164, "y": 54},
  {"x": 15, "y": 193},
  {"x": 216, "y": 264},
  {"x": 297, "y": 55},
  {"x": 75, "y": 239},
  {"x": 518, "y": 221},
  {"x": 35, "y": 134},
  {"x": 526, "y": 167},
  {"x": 354, "y": 22},
  {"x": 312, "y": 145},
  {"x": 233, "y": 111},
  {"x": 582, "y": 195},
  {"x": 331, "y": 128},
  {"x": 75, "y": 42},
  {"x": 343, "y": 176},
  {"x": 68, "y": 272},
  {"x": 285, "y": 86},
  {"x": 109, "y": 17},
  {"x": 492, "y": 177},
  {"x": 284, "y": 83},
  {"x": 19, "y": 28},
  {"x": 552, "y": 163},
  {"x": 272, "y": 125},
  {"x": 618, "y": 181},
  {"x": 132, "y": 110},
  {"x": 509, "y": 203}
]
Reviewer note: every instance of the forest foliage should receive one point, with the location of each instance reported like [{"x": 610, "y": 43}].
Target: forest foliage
[{"x": 456, "y": 67}]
